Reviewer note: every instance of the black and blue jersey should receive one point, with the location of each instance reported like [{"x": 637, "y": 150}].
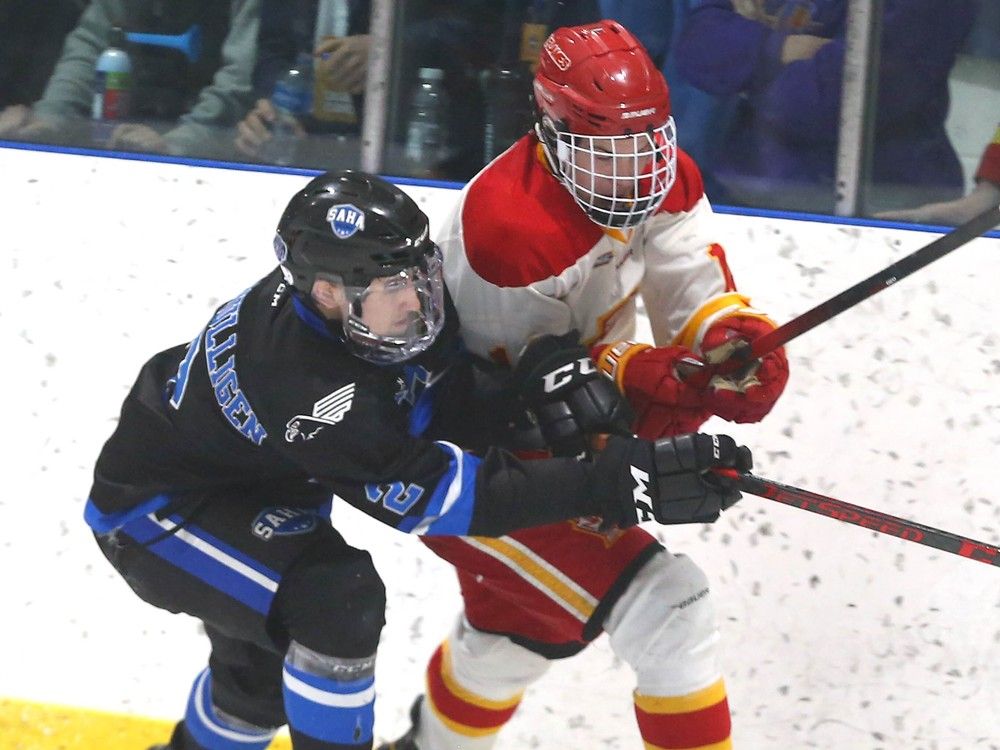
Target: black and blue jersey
[{"x": 268, "y": 395}]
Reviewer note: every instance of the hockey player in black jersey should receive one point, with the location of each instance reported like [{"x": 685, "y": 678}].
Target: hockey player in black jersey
[{"x": 212, "y": 496}]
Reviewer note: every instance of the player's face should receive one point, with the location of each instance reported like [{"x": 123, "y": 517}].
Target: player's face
[
  {"x": 622, "y": 180},
  {"x": 390, "y": 305},
  {"x": 612, "y": 166}
]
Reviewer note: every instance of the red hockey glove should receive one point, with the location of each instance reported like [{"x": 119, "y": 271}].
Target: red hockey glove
[
  {"x": 748, "y": 394},
  {"x": 664, "y": 404}
]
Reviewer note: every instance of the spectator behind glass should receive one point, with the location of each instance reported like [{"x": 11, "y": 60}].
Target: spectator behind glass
[
  {"x": 984, "y": 196},
  {"x": 460, "y": 37},
  {"x": 31, "y": 39},
  {"x": 188, "y": 102},
  {"x": 340, "y": 62},
  {"x": 785, "y": 58},
  {"x": 457, "y": 37}
]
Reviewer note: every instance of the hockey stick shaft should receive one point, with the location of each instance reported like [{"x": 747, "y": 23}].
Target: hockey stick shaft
[
  {"x": 873, "y": 520},
  {"x": 874, "y": 284}
]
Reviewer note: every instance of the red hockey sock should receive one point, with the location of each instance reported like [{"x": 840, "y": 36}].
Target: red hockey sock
[
  {"x": 459, "y": 709},
  {"x": 696, "y": 721}
]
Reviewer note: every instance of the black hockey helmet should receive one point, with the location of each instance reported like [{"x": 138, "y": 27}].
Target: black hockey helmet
[
  {"x": 350, "y": 225},
  {"x": 352, "y": 228}
]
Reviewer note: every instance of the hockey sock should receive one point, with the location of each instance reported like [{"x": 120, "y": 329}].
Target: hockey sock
[
  {"x": 454, "y": 716},
  {"x": 695, "y": 721},
  {"x": 330, "y": 702},
  {"x": 213, "y": 730}
]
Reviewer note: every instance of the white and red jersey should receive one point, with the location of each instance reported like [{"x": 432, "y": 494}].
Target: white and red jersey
[{"x": 522, "y": 259}]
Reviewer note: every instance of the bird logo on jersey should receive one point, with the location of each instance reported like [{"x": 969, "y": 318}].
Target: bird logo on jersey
[
  {"x": 328, "y": 410},
  {"x": 346, "y": 220}
]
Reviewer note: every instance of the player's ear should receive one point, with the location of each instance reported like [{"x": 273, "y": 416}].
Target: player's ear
[{"x": 329, "y": 297}]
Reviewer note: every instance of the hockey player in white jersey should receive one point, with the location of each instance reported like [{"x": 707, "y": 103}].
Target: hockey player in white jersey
[{"x": 594, "y": 208}]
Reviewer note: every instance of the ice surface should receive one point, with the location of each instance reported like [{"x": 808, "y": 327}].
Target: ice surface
[{"x": 833, "y": 637}]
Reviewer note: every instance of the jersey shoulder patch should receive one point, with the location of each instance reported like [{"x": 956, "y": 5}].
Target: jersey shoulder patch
[
  {"x": 519, "y": 224},
  {"x": 688, "y": 188}
]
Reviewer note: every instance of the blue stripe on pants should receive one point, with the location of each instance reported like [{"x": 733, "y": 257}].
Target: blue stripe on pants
[{"x": 195, "y": 551}]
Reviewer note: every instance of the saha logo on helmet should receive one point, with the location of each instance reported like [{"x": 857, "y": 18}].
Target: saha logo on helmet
[{"x": 346, "y": 220}]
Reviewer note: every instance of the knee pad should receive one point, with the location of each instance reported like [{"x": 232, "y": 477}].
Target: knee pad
[
  {"x": 333, "y": 605},
  {"x": 664, "y": 627}
]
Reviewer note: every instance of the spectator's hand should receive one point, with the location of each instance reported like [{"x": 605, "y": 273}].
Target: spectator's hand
[
  {"x": 135, "y": 137},
  {"x": 20, "y": 121},
  {"x": 13, "y": 118},
  {"x": 950, "y": 213},
  {"x": 801, "y": 47},
  {"x": 254, "y": 130},
  {"x": 341, "y": 62}
]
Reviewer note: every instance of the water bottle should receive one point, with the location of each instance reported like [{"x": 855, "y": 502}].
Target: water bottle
[
  {"x": 112, "y": 86},
  {"x": 427, "y": 131},
  {"x": 507, "y": 93},
  {"x": 292, "y": 102}
]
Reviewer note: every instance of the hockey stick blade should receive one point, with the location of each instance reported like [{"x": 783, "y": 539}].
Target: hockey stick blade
[
  {"x": 866, "y": 518},
  {"x": 874, "y": 284}
]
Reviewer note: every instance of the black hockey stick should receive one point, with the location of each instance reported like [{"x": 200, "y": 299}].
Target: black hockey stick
[
  {"x": 874, "y": 520},
  {"x": 871, "y": 286}
]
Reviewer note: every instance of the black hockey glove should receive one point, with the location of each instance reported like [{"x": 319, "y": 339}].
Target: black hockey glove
[
  {"x": 670, "y": 480},
  {"x": 567, "y": 396}
]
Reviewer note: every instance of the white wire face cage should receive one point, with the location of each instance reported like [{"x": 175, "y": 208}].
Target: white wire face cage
[{"x": 620, "y": 180}]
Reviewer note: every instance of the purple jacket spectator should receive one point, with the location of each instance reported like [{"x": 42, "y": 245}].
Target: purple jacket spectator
[{"x": 782, "y": 148}]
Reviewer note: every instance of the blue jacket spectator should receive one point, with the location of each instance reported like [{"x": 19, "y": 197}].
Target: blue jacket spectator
[{"x": 785, "y": 58}]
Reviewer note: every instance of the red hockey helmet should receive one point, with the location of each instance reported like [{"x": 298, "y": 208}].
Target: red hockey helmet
[{"x": 604, "y": 121}]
